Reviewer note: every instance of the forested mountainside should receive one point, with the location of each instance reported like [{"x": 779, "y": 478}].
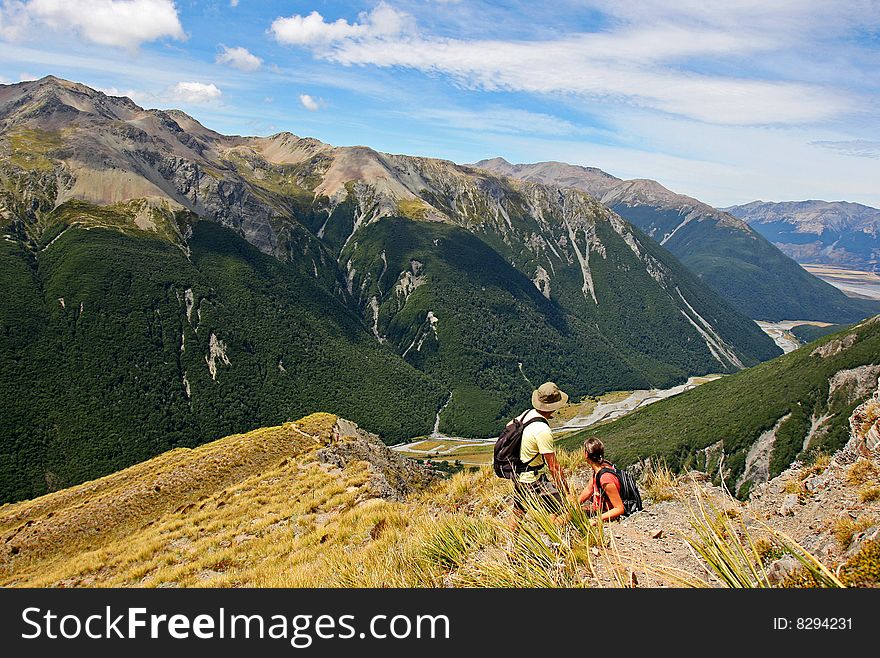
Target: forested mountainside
[
  {"x": 167, "y": 285},
  {"x": 736, "y": 260},
  {"x": 753, "y": 425}
]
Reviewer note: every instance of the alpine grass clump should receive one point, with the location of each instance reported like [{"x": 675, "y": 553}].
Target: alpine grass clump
[
  {"x": 737, "y": 559},
  {"x": 660, "y": 482}
]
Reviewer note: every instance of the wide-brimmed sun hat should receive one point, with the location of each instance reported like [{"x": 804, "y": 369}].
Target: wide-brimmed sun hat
[{"x": 548, "y": 397}]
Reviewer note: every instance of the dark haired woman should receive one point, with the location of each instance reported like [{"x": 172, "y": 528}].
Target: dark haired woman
[{"x": 605, "y": 500}]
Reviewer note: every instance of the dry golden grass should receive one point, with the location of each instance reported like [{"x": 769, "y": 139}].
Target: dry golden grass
[
  {"x": 303, "y": 523},
  {"x": 261, "y": 510},
  {"x": 862, "y": 472},
  {"x": 295, "y": 522},
  {"x": 869, "y": 494},
  {"x": 427, "y": 446},
  {"x": 615, "y": 396},
  {"x": 572, "y": 410},
  {"x": 796, "y": 486},
  {"x": 659, "y": 483},
  {"x": 819, "y": 465},
  {"x": 180, "y": 489},
  {"x": 846, "y": 528}
]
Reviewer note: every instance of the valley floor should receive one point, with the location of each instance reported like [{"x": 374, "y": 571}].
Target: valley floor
[
  {"x": 781, "y": 334},
  {"x": 573, "y": 417},
  {"x": 855, "y": 283}
]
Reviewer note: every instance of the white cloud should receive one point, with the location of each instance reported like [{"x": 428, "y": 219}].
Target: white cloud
[
  {"x": 13, "y": 20},
  {"x": 785, "y": 18},
  {"x": 195, "y": 92},
  {"x": 862, "y": 148},
  {"x": 123, "y": 23},
  {"x": 313, "y": 30},
  {"x": 113, "y": 91},
  {"x": 240, "y": 58},
  {"x": 593, "y": 67},
  {"x": 641, "y": 60},
  {"x": 311, "y": 103},
  {"x": 233, "y": 3}
]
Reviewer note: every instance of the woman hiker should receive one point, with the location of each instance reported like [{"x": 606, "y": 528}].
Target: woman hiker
[{"x": 604, "y": 500}]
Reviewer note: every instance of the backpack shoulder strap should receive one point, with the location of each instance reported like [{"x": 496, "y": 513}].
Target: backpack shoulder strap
[
  {"x": 602, "y": 471},
  {"x": 539, "y": 419}
]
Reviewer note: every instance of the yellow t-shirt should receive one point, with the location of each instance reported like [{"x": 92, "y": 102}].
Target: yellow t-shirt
[{"x": 537, "y": 440}]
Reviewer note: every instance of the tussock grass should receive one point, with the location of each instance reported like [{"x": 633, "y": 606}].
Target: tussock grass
[
  {"x": 449, "y": 540},
  {"x": 659, "y": 483},
  {"x": 869, "y": 494},
  {"x": 176, "y": 477},
  {"x": 737, "y": 557},
  {"x": 863, "y": 568},
  {"x": 862, "y": 472},
  {"x": 820, "y": 463},
  {"x": 846, "y": 528},
  {"x": 796, "y": 486}
]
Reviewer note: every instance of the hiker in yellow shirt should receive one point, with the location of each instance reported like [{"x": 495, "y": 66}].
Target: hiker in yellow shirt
[{"x": 537, "y": 450}]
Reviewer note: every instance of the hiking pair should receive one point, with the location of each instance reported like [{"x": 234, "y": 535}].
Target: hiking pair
[{"x": 526, "y": 446}]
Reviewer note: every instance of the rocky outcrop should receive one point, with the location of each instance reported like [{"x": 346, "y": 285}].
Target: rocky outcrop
[
  {"x": 393, "y": 476},
  {"x": 835, "y": 346},
  {"x": 865, "y": 427},
  {"x": 757, "y": 468}
]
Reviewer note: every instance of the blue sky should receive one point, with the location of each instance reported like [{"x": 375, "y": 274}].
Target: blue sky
[{"x": 726, "y": 101}]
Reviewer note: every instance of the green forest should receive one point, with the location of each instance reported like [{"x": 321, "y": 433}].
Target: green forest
[
  {"x": 748, "y": 271},
  {"x": 736, "y": 409},
  {"x": 101, "y": 367}
]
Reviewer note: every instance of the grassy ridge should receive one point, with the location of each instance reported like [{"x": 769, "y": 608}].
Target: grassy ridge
[
  {"x": 807, "y": 333},
  {"x": 738, "y": 408}
]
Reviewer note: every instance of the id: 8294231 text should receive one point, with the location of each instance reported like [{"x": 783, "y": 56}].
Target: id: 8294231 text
[{"x": 813, "y": 624}]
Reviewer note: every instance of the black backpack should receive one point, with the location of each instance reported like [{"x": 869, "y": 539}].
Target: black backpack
[
  {"x": 629, "y": 490},
  {"x": 506, "y": 462}
]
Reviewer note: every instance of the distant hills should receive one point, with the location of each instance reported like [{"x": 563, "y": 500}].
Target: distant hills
[
  {"x": 830, "y": 233},
  {"x": 165, "y": 285},
  {"x": 722, "y": 250}
]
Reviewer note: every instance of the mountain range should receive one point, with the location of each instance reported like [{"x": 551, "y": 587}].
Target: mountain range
[
  {"x": 734, "y": 259},
  {"x": 822, "y": 232},
  {"x": 165, "y": 285}
]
